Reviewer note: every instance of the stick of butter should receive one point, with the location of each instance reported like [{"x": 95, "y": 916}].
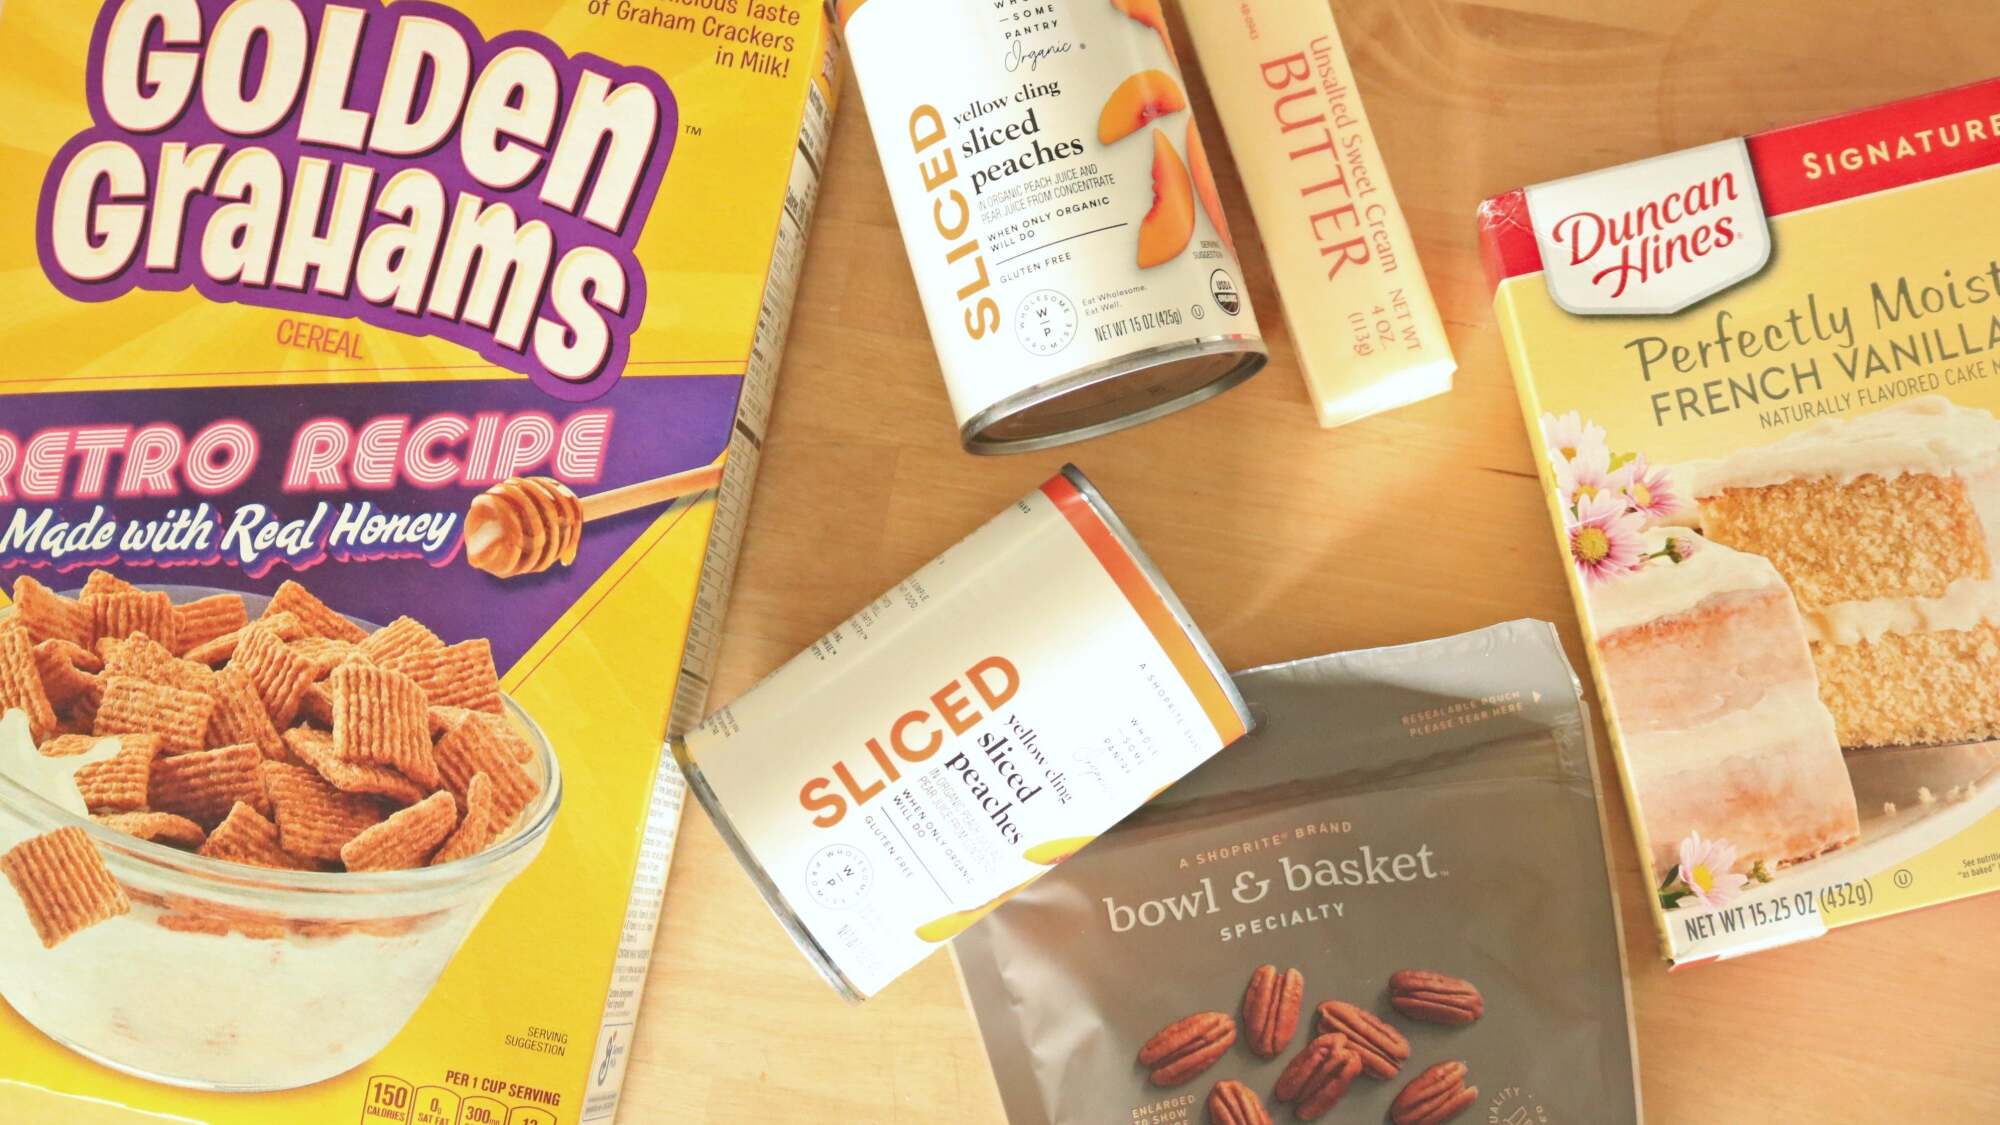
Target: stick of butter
[{"x": 1366, "y": 330}]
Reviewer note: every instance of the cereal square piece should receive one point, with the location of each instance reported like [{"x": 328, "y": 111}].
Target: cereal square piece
[
  {"x": 139, "y": 655},
  {"x": 68, "y": 670},
  {"x": 69, "y": 745},
  {"x": 378, "y": 717},
  {"x": 315, "y": 748},
  {"x": 461, "y": 675},
  {"x": 80, "y": 717},
  {"x": 105, "y": 582},
  {"x": 160, "y": 828},
  {"x": 21, "y": 680},
  {"x": 442, "y": 719},
  {"x": 316, "y": 616},
  {"x": 305, "y": 744},
  {"x": 205, "y": 619},
  {"x": 476, "y": 828},
  {"x": 509, "y": 734},
  {"x": 405, "y": 636},
  {"x": 135, "y": 706},
  {"x": 48, "y": 615},
  {"x": 325, "y": 654},
  {"x": 64, "y": 884},
  {"x": 142, "y": 657},
  {"x": 470, "y": 748},
  {"x": 280, "y": 674},
  {"x": 240, "y": 716},
  {"x": 407, "y": 839},
  {"x": 223, "y": 648},
  {"x": 121, "y": 782},
  {"x": 203, "y": 785},
  {"x": 85, "y": 658},
  {"x": 246, "y": 836},
  {"x": 133, "y": 611},
  {"x": 316, "y": 706},
  {"x": 314, "y": 819}
]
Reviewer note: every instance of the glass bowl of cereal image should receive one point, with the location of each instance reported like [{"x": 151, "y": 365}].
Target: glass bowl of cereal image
[{"x": 239, "y": 860}]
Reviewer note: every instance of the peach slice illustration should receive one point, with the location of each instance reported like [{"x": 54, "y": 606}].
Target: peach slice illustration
[
  {"x": 844, "y": 10},
  {"x": 1055, "y": 851},
  {"x": 1148, "y": 12},
  {"x": 1169, "y": 226},
  {"x": 957, "y": 922},
  {"x": 1204, "y": 185},
  {"x": 1139, "y": 99}
]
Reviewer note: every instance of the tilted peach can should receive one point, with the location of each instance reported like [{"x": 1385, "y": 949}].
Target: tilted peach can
[
  {"x": 1062, "y": 222},
  {"x": 952, "y": 742}
]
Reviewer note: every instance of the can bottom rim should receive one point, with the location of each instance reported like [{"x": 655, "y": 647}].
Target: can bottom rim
[
  {"x": 1174, "y": 376},
  {"x": 774, "y": 899}
]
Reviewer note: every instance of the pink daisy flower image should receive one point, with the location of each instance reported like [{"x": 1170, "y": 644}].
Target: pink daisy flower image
[
  {"x": 1569, "y": 436},
  {"x": 1650, "y": 490},
  {"x": 1705, "y": 871},
  {"x": 1589, "y": 476},
  {"x": 1605, "y": 539}
]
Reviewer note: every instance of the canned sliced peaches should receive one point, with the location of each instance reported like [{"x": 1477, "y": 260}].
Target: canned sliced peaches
[
  {"x": 1061, "y": 219},
  {"x": 962, "y": 735}
]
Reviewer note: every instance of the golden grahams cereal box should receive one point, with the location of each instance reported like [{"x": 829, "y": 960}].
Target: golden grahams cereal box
[{"x": 385, "y": 380}]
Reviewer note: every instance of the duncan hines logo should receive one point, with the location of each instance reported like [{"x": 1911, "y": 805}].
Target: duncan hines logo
[
  {"x": 1654, "y": 237},
  {"x": 381, "y": 162}
]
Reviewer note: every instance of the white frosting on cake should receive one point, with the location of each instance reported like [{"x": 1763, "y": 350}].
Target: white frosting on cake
[
  {"x": 1966, "y": 604},
  {"x": 1662, "y": 589},
  {"x": 1930, "y": 434},
  {"x": 1789, "y": 718}
]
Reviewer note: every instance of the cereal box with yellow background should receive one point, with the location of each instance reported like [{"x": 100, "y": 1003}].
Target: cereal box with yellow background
[
  {"x": 1761, "y": 377},
  {"x": 386, "y": 380}
]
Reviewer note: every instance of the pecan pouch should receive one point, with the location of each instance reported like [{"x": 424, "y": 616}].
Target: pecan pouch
[{"x": 1388, "y": 903}]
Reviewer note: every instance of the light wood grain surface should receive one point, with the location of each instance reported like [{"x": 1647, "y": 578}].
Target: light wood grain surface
[{"x": 1285, "y": 540}]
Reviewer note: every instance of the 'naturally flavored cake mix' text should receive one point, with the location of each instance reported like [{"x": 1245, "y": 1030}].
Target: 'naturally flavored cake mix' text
[
  {"x": 1761, "y": 377},
  {"x": 386, "y": 381}
]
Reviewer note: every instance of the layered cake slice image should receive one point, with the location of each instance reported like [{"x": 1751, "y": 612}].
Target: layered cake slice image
[
  {"x": 1886, "y": 526},
  {"x": 1724, "y": 733}
]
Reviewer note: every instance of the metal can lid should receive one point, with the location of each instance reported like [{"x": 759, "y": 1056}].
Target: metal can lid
[{"x": 1114, "y": 396}]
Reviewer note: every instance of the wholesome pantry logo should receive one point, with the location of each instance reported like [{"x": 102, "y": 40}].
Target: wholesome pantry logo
[
  {"x": 1654, "y": 237},
  {"x": 356, "y": 159}
]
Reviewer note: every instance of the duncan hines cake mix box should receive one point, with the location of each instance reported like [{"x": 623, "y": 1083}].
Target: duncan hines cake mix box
[
  {"x": 387, "y": 380},
  {"x": 1761, "y": 378}
]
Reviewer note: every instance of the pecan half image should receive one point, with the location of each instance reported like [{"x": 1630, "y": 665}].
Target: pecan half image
[
  {"x": 1233, "y": 1103},
  {"x": 1315, "y": 1081},
  {"x": 1187, "y": 1047},
  {"x": 1437, "y": 1095},
  {"x": 1271, "y": 1009},
  {"x": 1435, "y": 998},
  {"x": 1382, "y": 1048}
]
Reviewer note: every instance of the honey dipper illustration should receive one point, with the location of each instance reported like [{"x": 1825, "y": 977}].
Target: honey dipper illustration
[{"x": 525, "y": 525}]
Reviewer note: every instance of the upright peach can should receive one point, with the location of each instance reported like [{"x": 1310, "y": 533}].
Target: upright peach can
[{"x": 1066, "y": 235}]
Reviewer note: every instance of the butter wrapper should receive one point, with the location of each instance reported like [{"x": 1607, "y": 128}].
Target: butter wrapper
[{"x": 1362, "y": 319}]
